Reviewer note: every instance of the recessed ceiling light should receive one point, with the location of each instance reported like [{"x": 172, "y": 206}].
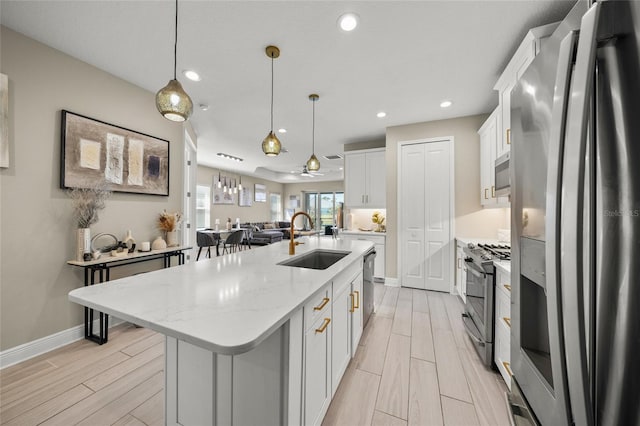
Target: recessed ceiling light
[
  {"x": 348, "y": 21},
  {"x": 191, "y": 75},
  {"x": 204, "y": 107},
  {"x": 446, "y": 104},
  {"x": 381, "y": 114},
  {"x": 283, "y": 130},
  {"x": 341, "y": 168}
]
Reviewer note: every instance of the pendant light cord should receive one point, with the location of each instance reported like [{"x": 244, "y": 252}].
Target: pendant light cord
[
  {"x": 175, "y": 46},
  {"x": 272, "y": 92},
  {"x": 313, "y": 129}
]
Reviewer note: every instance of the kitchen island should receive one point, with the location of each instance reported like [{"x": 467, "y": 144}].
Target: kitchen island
[{"x": 248, "y": 341}]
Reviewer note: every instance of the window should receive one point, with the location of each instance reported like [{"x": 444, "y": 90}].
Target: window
[
  {"x": 203, "y": 207},
  {"x": 324, "y": 207},
  {"x": 275, "y": 200}
]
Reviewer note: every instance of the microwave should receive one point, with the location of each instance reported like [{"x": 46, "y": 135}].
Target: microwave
[{"x": 502, "y": 175}]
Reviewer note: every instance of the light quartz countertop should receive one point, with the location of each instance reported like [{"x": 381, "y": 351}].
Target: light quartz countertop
[
  {"x": 227, "y": 304},
  {"x": 358, "y": 232}
]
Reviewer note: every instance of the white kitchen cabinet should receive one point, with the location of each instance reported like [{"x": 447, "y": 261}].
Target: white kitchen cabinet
[
  {"x": 357, "y": 313},
  {"x": 502, "y": 324},
  {"x": 379, "y": 239},
  {"x": 518, "y": 64},
  {"x": 488, "y": 140},
  {"x": 365, "y": 179},
  {"x": 461, "y": 273},
  {"x": 341, "y": 338},
  {"x": 317, "y": 364}
]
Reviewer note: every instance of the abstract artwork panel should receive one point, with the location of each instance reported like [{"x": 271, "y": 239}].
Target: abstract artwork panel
[
  {"x": 136, "y": 155},
  {"x": 128, "y": 161}
]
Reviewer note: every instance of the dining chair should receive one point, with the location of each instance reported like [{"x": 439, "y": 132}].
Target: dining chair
[
  {"x": 233, "y": 242},
  {"x": 208, "y": 240}
]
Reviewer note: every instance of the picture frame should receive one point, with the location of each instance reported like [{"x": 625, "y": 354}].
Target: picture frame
[
  {"x": 221, "y": 197},
  {"x": 245, "y": 198},
  {"x": 94, "y": 152},
  {"x": 260, "y": 193}
]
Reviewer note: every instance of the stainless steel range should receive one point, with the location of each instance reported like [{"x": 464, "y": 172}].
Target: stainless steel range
[{"x": 478, "y": 315}]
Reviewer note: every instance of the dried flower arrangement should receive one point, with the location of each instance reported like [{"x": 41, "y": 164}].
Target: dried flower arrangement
[
  {"x": 87, "y": 202},
  {"x": 168, "y": 222}
]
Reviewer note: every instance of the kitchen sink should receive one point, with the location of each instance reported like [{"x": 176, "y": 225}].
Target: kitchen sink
[{"x": 316, "y": 259}]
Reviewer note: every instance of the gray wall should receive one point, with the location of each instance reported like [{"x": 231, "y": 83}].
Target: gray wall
[{"x": 37, "y": 229}]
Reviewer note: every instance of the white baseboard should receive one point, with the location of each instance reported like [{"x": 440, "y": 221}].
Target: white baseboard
[
  {"x": 391, "y": 282},
  {"x": 45, "y": 344}
]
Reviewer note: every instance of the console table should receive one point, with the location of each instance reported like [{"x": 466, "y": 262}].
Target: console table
[{"x": 102, "y": 267}]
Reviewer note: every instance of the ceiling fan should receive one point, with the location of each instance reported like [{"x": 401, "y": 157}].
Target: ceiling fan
[{"x": 306, "y": 173}]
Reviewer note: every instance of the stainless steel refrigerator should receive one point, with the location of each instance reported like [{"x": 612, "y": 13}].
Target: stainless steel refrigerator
[{"x": 575, "y": 171}]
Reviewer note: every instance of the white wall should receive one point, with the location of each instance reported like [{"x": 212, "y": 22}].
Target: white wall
[{"x": 37, "y": 229}]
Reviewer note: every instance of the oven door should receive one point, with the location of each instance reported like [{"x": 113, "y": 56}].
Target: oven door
[{"x": 478, "y": 316}]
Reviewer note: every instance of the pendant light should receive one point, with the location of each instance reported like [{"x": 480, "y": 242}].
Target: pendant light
[
  {"x": 240, "y": 185},
  {"x": 172, "y": 101},
  {"x": 224, "y": 188},
  {"x": 271, "y": 144},
  {"x": 313, "y": 165},
  {"x": 219, "y": 180}
]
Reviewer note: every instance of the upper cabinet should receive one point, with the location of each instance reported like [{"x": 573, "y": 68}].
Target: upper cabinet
[
  {"x": 518, "y": 64},
  {"x": 365, "y": 179}
]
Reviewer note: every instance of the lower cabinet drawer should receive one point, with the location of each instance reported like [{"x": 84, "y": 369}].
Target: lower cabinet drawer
[{"x": 316, "y": 306}]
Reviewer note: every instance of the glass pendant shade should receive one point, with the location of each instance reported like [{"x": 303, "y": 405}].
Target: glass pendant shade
[
  {"x": 313, "y": 165},
  {"x": 271, "y": 145},
  {"x": 173, "y": 102}
]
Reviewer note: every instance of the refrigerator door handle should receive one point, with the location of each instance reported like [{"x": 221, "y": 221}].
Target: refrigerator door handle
[
  {"x": 554, "y": 207},
  {"x": 573, "y": 181}
]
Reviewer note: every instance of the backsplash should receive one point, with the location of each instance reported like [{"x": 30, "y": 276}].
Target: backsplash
[{"x": 361, "y": 218}]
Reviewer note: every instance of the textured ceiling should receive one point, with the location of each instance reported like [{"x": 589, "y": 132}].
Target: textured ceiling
[{"x": 404, "y": 58}]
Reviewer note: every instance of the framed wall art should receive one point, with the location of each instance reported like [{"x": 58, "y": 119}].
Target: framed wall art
[
  {"x": 127, "y": 161},
  {"x": 222, "y": 197},
  {"x": 260, "y": 193},
  {"x": 245, "y": 198}
]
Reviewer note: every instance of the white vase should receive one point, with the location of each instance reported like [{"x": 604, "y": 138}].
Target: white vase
[
  {"x": 83, "y": 243},
  {"x": 158, "y": 244},
  {"x": 129, "y": 241},
  {"x": 172, "y": 238}
]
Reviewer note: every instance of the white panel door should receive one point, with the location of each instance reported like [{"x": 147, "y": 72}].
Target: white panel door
[
  {"x": 437, "y": 217},
  {"x": 412, "y": 190},
  {"x": 425, "y": 216}
]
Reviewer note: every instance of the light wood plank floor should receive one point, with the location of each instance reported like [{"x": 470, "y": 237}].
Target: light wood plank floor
[{"x": 414, "y": 366}]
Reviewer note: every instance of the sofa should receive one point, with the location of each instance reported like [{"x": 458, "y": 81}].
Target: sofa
[{"x": 263, "y": 233}]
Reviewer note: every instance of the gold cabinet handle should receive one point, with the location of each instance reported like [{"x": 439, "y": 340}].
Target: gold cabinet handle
[
  {"x": 508, "y": 136},
  {"x": 507, "y": 286},
  {"x": 324, "y": 325},
  {"x": 493, "y": 191},
  {"x": 485, "y": 193},
  {"x": 507, "y": 320},
  {"x": 506, "y": 367},
  {"x": 322, "y": 305},
  {"x": 353, "y": 302},
  {"x": 357, "y": 299}
]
